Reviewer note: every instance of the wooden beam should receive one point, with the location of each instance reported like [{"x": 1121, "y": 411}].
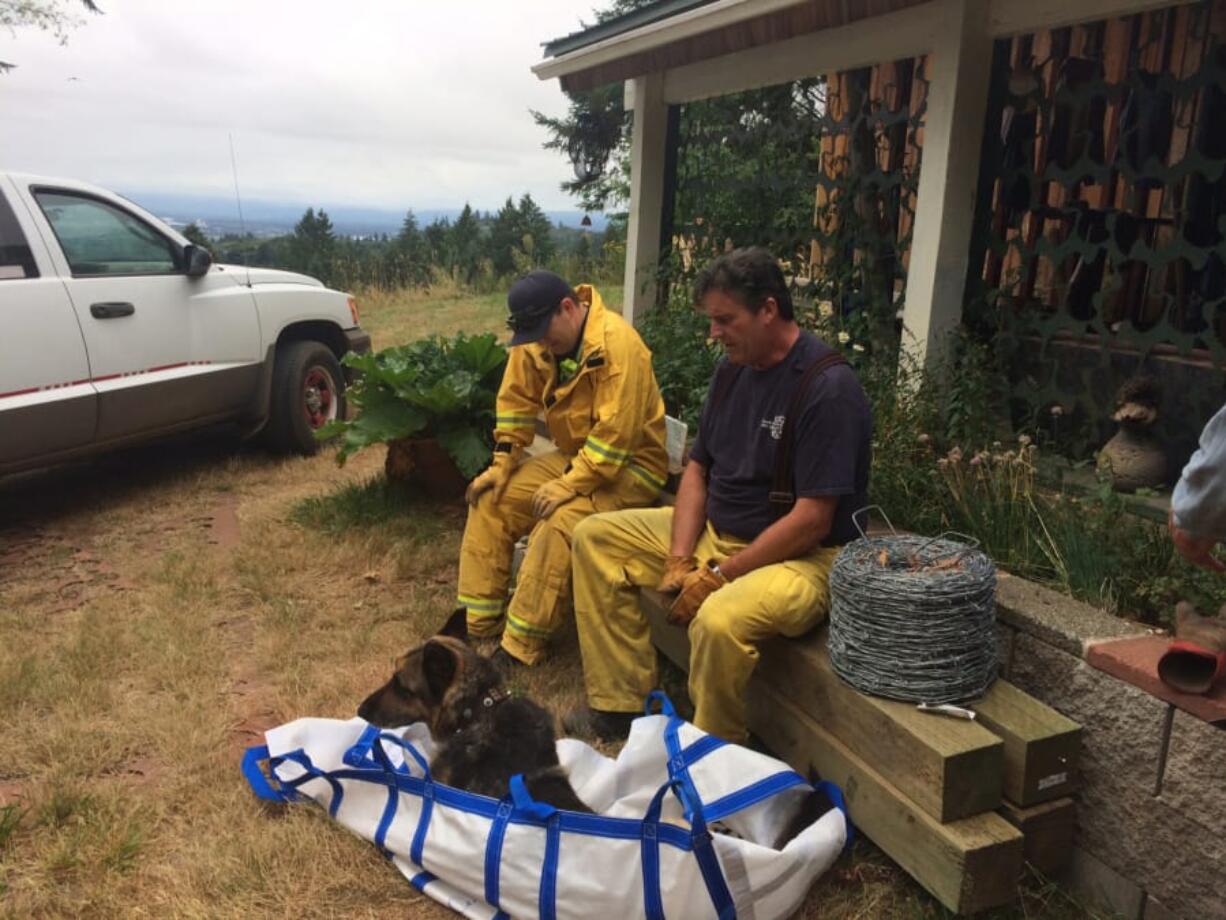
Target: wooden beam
[
  {"x": 950, "y": 768},
  {"x": 968, "y": 865},
  {"x": 1047, "y": 830},
  {"x": 1015, "y": 17},
  {"x": 649, "y": 132},
  {"x": 1042, "y": 747},
  {"x": 662, "y": 32},
  {"x": 944, "y": 214},
  {"x": 906, "y": 33}
]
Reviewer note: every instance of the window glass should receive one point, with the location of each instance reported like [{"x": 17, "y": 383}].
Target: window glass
[
  {"x": 101, "y": 239},
  {"x": 16, "y": 260}
]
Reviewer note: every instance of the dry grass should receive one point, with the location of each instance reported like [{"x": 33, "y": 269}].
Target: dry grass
[{"x": 162, "y": 607}]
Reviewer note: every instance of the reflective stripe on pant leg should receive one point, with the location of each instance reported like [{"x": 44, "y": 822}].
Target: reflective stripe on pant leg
[
  {"x": 489, "y": 542},
  {"x": 788, "y": 598},
  {"x": 613, "y": 554},
  {"x": 542, "y": 597}
]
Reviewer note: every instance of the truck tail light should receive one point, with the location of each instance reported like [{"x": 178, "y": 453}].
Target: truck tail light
[{"x": 353, "y": 310}]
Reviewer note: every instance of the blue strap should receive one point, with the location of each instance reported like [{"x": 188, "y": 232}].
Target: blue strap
[
  {"x": 547, "y": 905},
  {"x": 255, "y": 777},
  {"x": 423, "y": 823},
  {"x": 493, "y": 850},
  {"x": 835, "y": 794},
  {"x": 525, "y": 805},
  {"x": 368, "y": 751},
  {"x": 421, "y": 880},
  {"x": 385, "y": 821},
  {"x": 310, "y": 772},
  {"x": 653, "y": 902},
  {"x": 701, "y": 748},
  {"x": 659, "y": 696},
  {"x": 753, "y": 794},
  {"x": 677, "y": 769}
]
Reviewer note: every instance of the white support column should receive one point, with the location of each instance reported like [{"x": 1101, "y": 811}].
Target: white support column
[
  {"x": 645, "y": 97},
  {"x": 953, "y": 135}
]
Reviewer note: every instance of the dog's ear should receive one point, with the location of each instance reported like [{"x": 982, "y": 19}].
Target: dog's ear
[
  {"x": 438, "y": 664},
  {"x": 456, "y": 625}
]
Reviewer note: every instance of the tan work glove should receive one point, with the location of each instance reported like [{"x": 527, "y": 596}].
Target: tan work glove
[
  {"x": 696, "y": 588},
  {"x": 495, "y": 478},
  {"x": 551, "y": 496},
  {"x": 675, "y": 570}
]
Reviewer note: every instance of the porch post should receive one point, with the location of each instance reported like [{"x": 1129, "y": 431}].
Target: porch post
[
  {"x": 961, "y": 66},
  {"x": 645, "y": 98}
]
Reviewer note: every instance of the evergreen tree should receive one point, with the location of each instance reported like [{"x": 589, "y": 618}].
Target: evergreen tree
[
  {"x": 437, "y": 233},
  {"x": 464, "y": 244},
  {"x": 506, "y": 239},
  {"x": 412, "y": 253},
  {"x": 195, "y": 233},
  {"x": 536, "y": 233}
]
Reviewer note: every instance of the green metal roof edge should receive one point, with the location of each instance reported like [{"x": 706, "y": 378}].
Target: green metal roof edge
[{"x": 627, "y": 22}]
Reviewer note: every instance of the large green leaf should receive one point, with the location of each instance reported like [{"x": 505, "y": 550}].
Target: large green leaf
[
  {"x": 467, "y": 447},
  {"x": 434, "y": 386},
  {"x": 383, "y": 418}
]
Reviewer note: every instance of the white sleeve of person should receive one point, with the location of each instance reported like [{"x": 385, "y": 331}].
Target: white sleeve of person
[
  {"x": 1199, "y": 498},
  {"x": 686, "y": 824}
]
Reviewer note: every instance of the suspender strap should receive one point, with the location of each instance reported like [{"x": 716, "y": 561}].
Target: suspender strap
[{"x": 783, "y": 494}]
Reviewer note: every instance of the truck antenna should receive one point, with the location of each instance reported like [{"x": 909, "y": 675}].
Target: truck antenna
[{"x": 239, "y": 199}]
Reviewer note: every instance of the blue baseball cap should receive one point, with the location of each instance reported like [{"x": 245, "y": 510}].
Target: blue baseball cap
[{"x": 533, "y": 300}]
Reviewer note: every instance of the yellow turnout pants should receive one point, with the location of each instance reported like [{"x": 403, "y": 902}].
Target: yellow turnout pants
[
  {"x": 614, "y": 554},
  {"x": 542, "y": 591}
]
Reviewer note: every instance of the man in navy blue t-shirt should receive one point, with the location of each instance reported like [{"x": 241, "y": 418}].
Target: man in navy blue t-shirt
[{"x": 747, "y": 558}]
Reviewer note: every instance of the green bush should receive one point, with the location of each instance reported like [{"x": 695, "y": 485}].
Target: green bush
[
  {"x": 433, "y": 388},
  {"x": 944, "y": 459}
]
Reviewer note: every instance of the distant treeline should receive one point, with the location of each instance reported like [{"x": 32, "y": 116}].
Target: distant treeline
[{"x": 477, "y": 250}]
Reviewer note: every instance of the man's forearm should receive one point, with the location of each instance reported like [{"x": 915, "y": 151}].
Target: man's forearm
[
  {"x": 795, "y": 534},
  {"x": 690, "y": 510}
]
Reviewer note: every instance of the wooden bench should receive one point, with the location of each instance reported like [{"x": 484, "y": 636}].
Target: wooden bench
[{"x": 929, "y": 790}]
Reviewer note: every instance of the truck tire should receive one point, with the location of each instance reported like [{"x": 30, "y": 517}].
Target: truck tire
[{"x": 308, "y": 390}]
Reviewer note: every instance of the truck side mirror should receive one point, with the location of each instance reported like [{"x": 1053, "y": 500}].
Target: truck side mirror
[{"x": 198, "y": 260}]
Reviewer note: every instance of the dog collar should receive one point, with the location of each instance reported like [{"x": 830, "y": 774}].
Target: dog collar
[
  {"x": 495, "y": 696},
  {"x": 492, "y": 698}
]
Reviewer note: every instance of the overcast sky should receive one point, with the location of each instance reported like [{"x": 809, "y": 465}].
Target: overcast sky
[{"x": 381, "y": 103}]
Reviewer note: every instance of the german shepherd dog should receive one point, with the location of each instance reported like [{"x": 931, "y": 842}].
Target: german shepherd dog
[{"x": 484, "y": 735}]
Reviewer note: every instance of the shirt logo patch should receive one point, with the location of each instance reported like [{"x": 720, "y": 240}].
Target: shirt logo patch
[{"x": 774, "y": 425}]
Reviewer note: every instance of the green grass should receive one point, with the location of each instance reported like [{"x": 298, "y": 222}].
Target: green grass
[{"x": 399, "y": 511}]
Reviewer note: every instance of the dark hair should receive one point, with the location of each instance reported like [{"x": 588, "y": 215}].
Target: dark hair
[{"x": 750, "y": 276}]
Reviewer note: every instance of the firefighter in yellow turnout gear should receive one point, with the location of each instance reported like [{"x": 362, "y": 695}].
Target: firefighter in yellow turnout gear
[
  {"x": 591, "y": 375},
  {"x": 780, "y": 464}
]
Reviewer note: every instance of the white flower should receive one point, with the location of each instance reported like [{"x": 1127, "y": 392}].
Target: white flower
[
  {"x": 825, "y": 309},
  {"x": 857, "y": 347},
  {"x": 844, "y": 337}
]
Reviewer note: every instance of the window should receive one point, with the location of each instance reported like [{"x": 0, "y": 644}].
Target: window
[
  {"x": 101, "y": 239},
  {"x": 16, "y": 260}
]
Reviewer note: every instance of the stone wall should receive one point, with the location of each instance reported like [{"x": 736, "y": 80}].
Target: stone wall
[{"x": 1151, "y": 813}]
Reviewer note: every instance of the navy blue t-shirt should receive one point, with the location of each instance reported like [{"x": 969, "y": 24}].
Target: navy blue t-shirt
[{"x": 738, "y": 437}]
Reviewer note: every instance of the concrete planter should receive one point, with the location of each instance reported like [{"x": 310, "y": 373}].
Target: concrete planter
[{"x": 1151, "y": 839}]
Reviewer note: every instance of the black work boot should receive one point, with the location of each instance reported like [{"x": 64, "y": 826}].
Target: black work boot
[
  {"x": 585, "y": 722},
  {"x": 506, "y": 663}
]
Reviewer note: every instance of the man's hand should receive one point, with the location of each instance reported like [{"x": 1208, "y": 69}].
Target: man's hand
[
  {"x": 495, "y": 478},
  {"x": 549, "y": 497},
  {"x": 695, "y": 588},
  {"x": 1197, "y": 550},
  {"x": 676, "y": 568}
]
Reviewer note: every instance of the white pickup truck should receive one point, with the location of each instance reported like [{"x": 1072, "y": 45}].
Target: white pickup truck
[{"x": 114, "y": 328}]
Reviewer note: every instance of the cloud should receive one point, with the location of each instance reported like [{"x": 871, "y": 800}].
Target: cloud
[{"x": 389, "y": 103}]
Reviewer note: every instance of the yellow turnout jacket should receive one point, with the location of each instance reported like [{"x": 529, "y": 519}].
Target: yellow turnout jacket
[{"x": 607, "y": 417}]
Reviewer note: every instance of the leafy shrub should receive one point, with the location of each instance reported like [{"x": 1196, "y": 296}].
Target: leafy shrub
[
  {"x": 433, "y": 388},
  {"x": 683, "y": 358}
]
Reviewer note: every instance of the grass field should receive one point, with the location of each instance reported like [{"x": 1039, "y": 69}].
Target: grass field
[{"x": 160, "y": 608}]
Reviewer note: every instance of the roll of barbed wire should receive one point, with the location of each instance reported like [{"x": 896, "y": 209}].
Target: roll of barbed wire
[{"x": 913, "y": 618}]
